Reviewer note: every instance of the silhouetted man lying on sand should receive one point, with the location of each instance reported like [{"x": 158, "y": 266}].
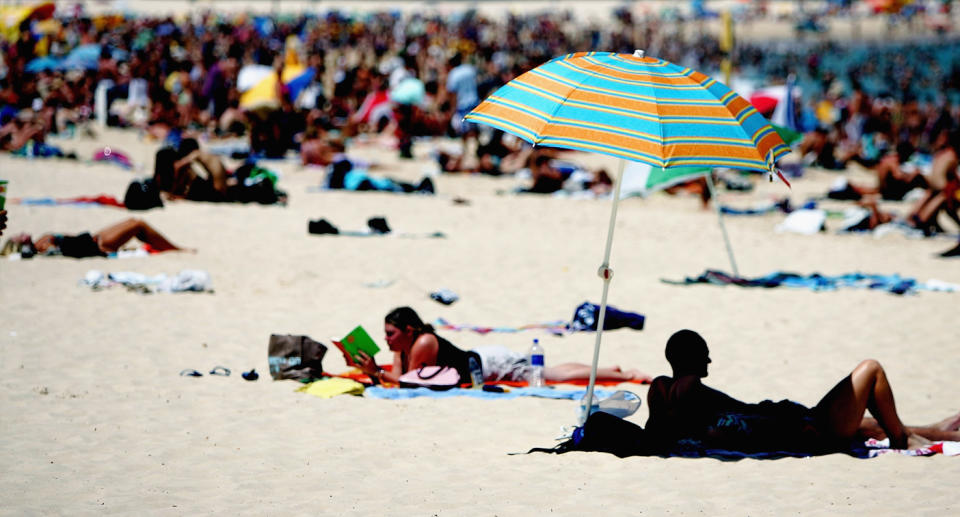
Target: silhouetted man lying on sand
[{"x": 682, "y": 407}]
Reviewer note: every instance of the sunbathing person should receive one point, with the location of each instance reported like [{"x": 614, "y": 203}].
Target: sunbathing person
[
  {"x": 502, "y": 364},
  {"x": 682, "y": 407},
  {"x": 415, "y": 344},
  {"x": 343, "y": 175},
  {"x": 107, "y": 240}
]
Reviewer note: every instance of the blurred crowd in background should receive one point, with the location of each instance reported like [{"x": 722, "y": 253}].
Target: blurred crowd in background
[{"x": 307, "y": 83}]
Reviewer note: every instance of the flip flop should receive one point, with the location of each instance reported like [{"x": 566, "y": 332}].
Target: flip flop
[
  {"x": 252, "y": 375},
  {"x": 190, "y": 372},
  {"x": 220, "y": 370}
]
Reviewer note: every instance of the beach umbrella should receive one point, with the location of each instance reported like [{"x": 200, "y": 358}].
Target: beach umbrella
[
  {"x": 258, "y": 84},
  {"x": 635, "y": 108},
  {"x": 12, "y": 17},
  {"x": 251, "y": 75},
  {"x": 262, "y": 93},
  {"x": 409, "y": 90},
  {"x": 41, "y": 64},
  {"x": 84, "y": 57}
]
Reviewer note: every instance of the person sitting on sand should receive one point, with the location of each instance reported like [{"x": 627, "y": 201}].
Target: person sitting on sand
[
  {"x": 189, "y": 172},
  {"x": 176, "y": 175},
  {"x": 682, "y": 407},
  {"x": 107, "y": 240},
  {"x": 415, "y": 344}
]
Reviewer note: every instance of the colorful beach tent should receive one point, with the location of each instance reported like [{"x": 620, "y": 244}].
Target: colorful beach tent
[{"x": 636, "y": 108}]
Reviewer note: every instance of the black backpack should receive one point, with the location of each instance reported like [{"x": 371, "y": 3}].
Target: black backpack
[
  {"x": 142, "y": 195},
  {"x": 604, "y": 432}
]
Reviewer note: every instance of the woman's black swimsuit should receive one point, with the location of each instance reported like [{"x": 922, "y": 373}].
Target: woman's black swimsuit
[{"x": 78, "y": 246}]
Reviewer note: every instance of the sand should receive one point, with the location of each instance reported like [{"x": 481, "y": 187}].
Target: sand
[{"x": 95, "y": 418}]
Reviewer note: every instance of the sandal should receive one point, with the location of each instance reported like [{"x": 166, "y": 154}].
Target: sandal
[{"x": 220, "y": 370}]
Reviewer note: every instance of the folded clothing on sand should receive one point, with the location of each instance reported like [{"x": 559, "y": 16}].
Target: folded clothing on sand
[
  {"x": 102, "y": 199},
  {"x": 187, "y": 280}
]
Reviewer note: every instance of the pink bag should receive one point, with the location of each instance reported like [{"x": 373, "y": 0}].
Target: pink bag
[{"x": 434, "y": 377}]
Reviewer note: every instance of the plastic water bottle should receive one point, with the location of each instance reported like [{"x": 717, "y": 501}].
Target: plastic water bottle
[
  {"x": 536, "y": 363},
  {"x": 476, "y": 374}
]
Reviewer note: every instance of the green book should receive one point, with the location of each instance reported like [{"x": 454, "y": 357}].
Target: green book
[{"x": 358, "y": 340}]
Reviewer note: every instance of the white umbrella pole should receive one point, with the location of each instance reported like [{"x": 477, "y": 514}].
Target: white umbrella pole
[
  {"x": 723, "y": 228},
  {"x": 606, "y": 274}
]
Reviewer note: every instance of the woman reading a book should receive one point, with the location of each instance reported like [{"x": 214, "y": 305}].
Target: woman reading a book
[{"x": 415, "y": 344}]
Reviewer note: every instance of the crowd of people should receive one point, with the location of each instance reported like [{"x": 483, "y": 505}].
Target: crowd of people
[{"x": 402, "y": 76}]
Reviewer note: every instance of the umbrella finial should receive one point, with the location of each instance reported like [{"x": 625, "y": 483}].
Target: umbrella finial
[{"x": 638, "y": 53}]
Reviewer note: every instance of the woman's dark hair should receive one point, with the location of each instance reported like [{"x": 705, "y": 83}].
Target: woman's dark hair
[
  {"x": 163, "y": 173},
  {"x": 403, "y": 317}
]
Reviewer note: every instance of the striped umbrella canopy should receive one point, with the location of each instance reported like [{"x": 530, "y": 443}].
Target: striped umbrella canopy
[{"x": 639, "y": 109}]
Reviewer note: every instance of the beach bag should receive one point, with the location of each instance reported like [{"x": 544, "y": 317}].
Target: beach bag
[
  {"x": 607, "y": 433},
  {"x": 142, "y": 195},
  {"x": 434, "y": 377},
  {"x": 295, "y": 357}
]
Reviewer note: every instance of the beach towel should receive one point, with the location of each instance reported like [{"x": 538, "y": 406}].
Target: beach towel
[
  {"x": 363, "y": 378},
  {"x": 895, "y": 283},
  {"x": 329, "y": 388},
  {"x": 376, "y": 227},
  {"x": 113, "y": 156},
  {"x": 102, "y": 199},
  {"x": 606, "y": 433},
  {"x": 549, "y": 393},
  {"x": 143, "y": 250},
  {"x": 766, "y": 207},
  {"x": 584, "y": 320},
  {"x": 554, "y": 327}
]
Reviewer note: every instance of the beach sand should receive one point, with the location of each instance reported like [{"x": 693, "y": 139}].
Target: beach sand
[{"x": 96, "y": 420}]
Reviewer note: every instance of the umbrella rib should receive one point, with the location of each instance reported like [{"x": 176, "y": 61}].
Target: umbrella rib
[
  {"x": 656, "y": 105},
  {"x": 556, "y": 107}
]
